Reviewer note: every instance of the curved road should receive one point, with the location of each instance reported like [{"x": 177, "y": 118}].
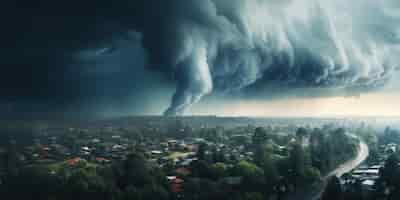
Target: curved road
[{"x": 346, "y": 167}]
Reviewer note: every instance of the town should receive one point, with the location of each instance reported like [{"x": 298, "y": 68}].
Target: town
[{"x": 189, "y": 158}]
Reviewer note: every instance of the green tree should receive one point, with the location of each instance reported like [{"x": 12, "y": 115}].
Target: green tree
[
  {"x": 132, "y": 192},
  {"x": 134, "y": 171},
  {"x": 201, "y": 152},
  {"x": 333, "y": 190},
  {"x": 154, "y": 192},
  {"x": 85, "y": 183},
  {"x": 391, "y": 171},
  {"x": 302, "y": 132},
  {"x": 260, "y": 136},
  {"x": 12, "y": 159},
  {"x": 31, "y": 183},
  {"x": 317, "y": 141},
  {"x": 253, "y": 176},
  {"x": 219, "y": 170},
  {"x": 262, "y": 152},
  {"x": 299, "y": 161},
  {"x": 253, "y": 196},
  {"x": 263, "y": 158},
  {"x": 312, "y": 174},
  {"x": 202, "y": 169}
]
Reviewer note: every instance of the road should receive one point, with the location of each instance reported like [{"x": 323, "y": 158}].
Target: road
[
  {"x": 363, "y": 153},
  {"x": 346, "y": 167}
]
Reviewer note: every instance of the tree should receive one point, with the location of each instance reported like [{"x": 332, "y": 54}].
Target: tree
[
  {"x": 219, "y": 170},
  {"x": 271, "y": 174},
  {"x": 202, "y": 169},
  {"x": 263, "y": 158},
  {"x": 333, "y": 190},
  {"x": 312, "y": 174},
  {"x": 260, "y": 136},
  {"x": 317, "y": 141},
  {"x": 391, "y": 136},
  {"x": 199, "y": 189},
  {"x": 391, "y": 171},
  {"x": 154, "y": 192},
  {"x": 131, "y": 192},
  {"x": 134, "y": 171},
  {"x": 217, "y": 156},
  {"x": 301, "y": 132},
  {"x": 299, "y": 161},
  {"x": 261, "y": 151},
  {"x": 201, "y": 152},
  {"x": 253, "y": 176},
  {"x": 253, "y": 196},
  {"x": 85, "y": 183},
  {"x": 12, "y": 159},
  {"x": 31, "y": 183}
]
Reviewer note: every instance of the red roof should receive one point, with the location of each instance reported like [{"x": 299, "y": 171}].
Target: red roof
[
  {"x": 176, "y": 188},
  {"x": 73, "y": 161},
  {"x": 177, "y": 181},
  {"x": 46, "y": 149}
]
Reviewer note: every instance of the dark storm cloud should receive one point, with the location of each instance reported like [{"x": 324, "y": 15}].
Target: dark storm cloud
[
  {"x": 40, "y": 46},
  {"x": 235, "y": 46},
  {"x": 224, "y": 46}
]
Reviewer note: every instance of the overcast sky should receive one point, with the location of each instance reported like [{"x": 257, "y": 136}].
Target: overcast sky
[{"x": 214, "y": 57}]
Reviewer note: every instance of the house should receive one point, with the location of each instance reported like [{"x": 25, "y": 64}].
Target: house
[
  {"x": 85, "y": 148},
  {"x": 366, "y": 173},
  {"x": 367, "y": 187},
  {"x": 376, "y": 167},
  {"x": 187, "y": 161},
  {"x": 176, "y": 185},
  {"x": 102, "y": 160},
  {"x": 199, "y": 140},
  {"x": 391, "y": 148},
  {"x": 191, "y": 148},
  {"x": 156, "y": 152},
  {"x": 172, "y": 142},
  {"x": 96, "y": 140},
  {"x": 116, "y": 137},
  {"x": 74, "y": 161},
  {"x": 171, "y": 178},
  {"x": 368, "y": 184},
  {"x": 117, "y": 147},
  {"x": 183, "y": 171}
]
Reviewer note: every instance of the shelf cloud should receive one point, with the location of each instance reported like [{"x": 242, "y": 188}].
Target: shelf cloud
[
  {"x": 233, "y": 45},
  {"x": 225, "y": 46}
]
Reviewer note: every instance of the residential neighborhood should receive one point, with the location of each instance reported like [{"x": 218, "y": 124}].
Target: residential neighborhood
[{"x": 183, "y": 159}]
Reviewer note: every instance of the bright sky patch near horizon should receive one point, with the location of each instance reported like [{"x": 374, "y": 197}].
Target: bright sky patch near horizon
[{"x": 373, "y": 104}]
